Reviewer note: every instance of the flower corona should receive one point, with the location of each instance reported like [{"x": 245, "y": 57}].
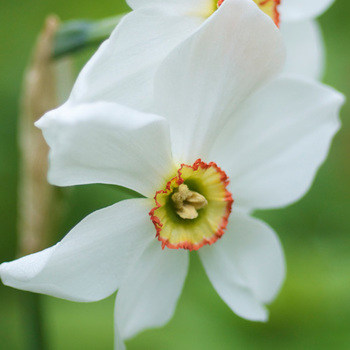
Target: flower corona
[
  {"x": 270, "y": 7},
  {"x": 194, "y": 207}
]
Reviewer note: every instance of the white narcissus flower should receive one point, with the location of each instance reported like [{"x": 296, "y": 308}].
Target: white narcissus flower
[
  {"x": 214, "y": 100},
  {"x": 123, "y": 68}
]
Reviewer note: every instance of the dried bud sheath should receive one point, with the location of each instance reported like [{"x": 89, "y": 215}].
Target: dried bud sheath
[{"x": 36, "y": 198}]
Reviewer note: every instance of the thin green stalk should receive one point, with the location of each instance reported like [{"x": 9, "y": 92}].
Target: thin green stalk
[{"x": 33, "y": 322}]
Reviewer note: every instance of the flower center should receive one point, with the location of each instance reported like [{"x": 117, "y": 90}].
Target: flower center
[
  {"x": 270, "y": 7},
  {"x": 193, "y": 208}
]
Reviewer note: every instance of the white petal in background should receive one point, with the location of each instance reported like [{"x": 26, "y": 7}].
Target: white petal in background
[
  {"x": 305, "y": 49},
  {"x": 277, "y": 142},
  {"x": 204, "y": 79},
  {"x": 297, "y": 10},
  {"x": 148, "y": 295},
  {"x": 185, "y": 7},
  {"x": 107, "y": 143},
  {"x": 246, "y": 266},
  {"x": 91, "y": 261},
  {"x": 123, "y": 68}
]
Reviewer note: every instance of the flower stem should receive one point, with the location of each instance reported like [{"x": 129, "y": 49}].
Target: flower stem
[
  {"x": 75, "y": 35},
  {"x": 34, "y": 338}
]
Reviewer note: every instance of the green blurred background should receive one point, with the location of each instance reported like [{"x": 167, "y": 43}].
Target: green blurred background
[{"x": 313, "y": 309}]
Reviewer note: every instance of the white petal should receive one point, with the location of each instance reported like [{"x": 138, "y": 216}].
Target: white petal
[
  {"x": 204, "y": 79},
  {"x": 183, "y": 6},
  {"x": 296, "y": 10},
  {"x": 149, "y": 293},
  {"x": 246, "y": 266},
  {"x": 278, "y": 141},
  {"x": 305, "y": 51},
  {"x": 91, "y": 261},
  {"x": 122, "y": 69},
  {"x": 107, "y": 143},
  {"x": 118, "y": 340}
]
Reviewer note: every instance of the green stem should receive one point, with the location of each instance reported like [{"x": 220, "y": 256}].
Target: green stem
[
  {"x": 76, "y": 35},
  {"x": 33, "y": 322}
]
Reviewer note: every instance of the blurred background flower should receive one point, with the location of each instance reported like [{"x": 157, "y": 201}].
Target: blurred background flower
[{"x": 313, "y": 309}]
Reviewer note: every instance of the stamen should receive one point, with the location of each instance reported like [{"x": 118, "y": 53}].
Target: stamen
[{"x": 187, "y": 202}]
